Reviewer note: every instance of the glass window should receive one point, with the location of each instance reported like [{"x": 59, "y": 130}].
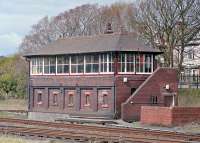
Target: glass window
[
  {"x": 49, "y": 65},
  {"x": 77, "y": 64},
  {"x": 103, "y": 62},
  {"x": 92, "y": 63},
  {"x": 87, "y": 99},
  {"x": 127, "y": 62},
  {"x": 110, "y": 62},
  {"x": 123, "y": 63},
  {"x": 39, "y": 98},
  {"x": 140, "y": 63},
  {"x": 130, "y": 63},
  {"x": 55, "y": 98},
  {"x": 148, "y": 63},
  {"x": 71, "y": 99},
  {"x": 62, "y": 64},
  {"x": 37, "y": 65}
]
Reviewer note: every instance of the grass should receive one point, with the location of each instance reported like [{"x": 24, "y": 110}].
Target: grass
[
  {"x": 17, "y": 139},
  {"x": 189, "y": 97},
  {"x": 13, "y": 104},
  {"x": 7, "y": 139}
]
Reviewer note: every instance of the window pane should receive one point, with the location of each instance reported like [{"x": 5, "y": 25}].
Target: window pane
[
  {"x": 96, "y": 59},
  {"x": 34, "y": 69},
  {"x": 73, "y": 68},
  {"x": 46, "y": 69},
  {"x": 130, "y": 63},
  {"x": 66, "y": 69},
  {"x": 46, "y": 61},
  {"x": 80, "y": 68},
  {"x": 88, "y": 68},
  {"x": 73, "y": 60},
  {"x": 52, "y": 69},
  {"x": 59, "y": 69},
  {"x": 33, "y": 60},
  {"x": 60, "y": 60},
  {"x": 148, "y": 64},
  {"x": 96, "y": 68},
  {"x": 137, "y": 63},
  {"x": 141, "y": 63}
]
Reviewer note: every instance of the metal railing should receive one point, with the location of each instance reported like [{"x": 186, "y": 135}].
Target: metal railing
[{"x": 189, "y": 81}]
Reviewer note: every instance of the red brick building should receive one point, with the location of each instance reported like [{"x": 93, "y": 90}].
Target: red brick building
[{"x": 95, "y": 76}]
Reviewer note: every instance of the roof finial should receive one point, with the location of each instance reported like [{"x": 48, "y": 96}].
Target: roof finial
[{"x": 108, "y": 29}]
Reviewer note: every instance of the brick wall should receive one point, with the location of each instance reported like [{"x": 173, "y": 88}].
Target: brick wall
[
  {"x": 153, "y": 86},
  {"x": 169, "y": 116}
]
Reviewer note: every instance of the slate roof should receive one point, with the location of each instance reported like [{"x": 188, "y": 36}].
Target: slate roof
[{"x": 94, "y": 44}]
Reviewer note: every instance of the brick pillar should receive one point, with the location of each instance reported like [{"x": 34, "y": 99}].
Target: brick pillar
[
  {"x": 31, "y": 99},
  {"x": 95, "y": 100},
  {"x": 78, "y": 99},
  {"x": 46, "y": 101},
  {"x": 113, "y": 100},
  {"x": 62, "y": 98}
]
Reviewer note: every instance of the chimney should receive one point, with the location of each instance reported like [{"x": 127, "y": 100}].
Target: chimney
[{"x": 108, "y": 29}]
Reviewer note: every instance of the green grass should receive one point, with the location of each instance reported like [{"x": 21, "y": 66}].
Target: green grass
[{"x": 189, "y": 97}]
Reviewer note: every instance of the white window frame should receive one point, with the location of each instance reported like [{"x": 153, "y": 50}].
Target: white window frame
[
  {"x": 62, "y": 65},
  {"x": 31, "y": 66},
  {"x": 49, "y": 67},
  {"x": 107, "y": 63}
]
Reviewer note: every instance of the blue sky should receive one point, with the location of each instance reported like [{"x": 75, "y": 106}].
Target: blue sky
[{"x": 17, "y": 17}]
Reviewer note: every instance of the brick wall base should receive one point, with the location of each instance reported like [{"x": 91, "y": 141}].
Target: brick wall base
[{"x": 169, "y": 116}]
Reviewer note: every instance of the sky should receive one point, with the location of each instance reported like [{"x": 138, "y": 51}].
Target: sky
[{"x": 17, "y": 17}]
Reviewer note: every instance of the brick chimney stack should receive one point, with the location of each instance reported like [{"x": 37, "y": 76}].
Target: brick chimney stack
[{"x": 108, "y": 29}]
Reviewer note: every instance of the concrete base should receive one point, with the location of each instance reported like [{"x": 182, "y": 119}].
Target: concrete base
[{"x": 46, "y": 116}]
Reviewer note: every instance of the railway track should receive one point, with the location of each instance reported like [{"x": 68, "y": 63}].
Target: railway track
[{"x": 89, "y": 132}]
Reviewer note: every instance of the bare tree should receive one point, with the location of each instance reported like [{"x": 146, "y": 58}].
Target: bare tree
[
  {"x": 168, "y": 25},
  {"x": 80, "y": 21}
]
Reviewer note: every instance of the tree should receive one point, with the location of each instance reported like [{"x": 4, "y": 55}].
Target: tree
[
  {"x": 80, "y": 21},
  {"x": 168, "y": 25}
]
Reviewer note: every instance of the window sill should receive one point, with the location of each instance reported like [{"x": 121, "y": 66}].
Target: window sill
[
  {"x": 70, "y": 105},
  {"x": 87, "y": 105},
  {"x": 105, "y": 106},
  {"x": 39, "y": 103},
  {"x": 55, "y": 104}
]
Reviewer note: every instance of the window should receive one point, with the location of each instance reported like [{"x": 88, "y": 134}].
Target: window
[
  {"x": 39, "y": 98},
  {"x": 110, "y": 62},
  {"x": 71, "y": 99},
  {"x": 191, "y": 54},
  {"x": 62, "y": 65},
  {"x": 77, "y": 64},
  {"x": 49, "y": 65},
  {"x": 144, "y": 63},
  {"x": 92, "y": 63},
  {"x": 148, "y": 63},
  {"x": 103, "y": 63},
  {"x": 130, "y": 63},
  {"x": 105, "y": 100},
  {"x": 106, "y": 63},
  {"x": 127, "y": 62},
  {"x": 123, "y": 62},
  {"x": 133, "y": 90},
  {"x": 154, "y": 100},
  {"x": 55, "y": 98},
  {"x": 87, "y": 99},
  {"x": 37, "y": 65}
]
